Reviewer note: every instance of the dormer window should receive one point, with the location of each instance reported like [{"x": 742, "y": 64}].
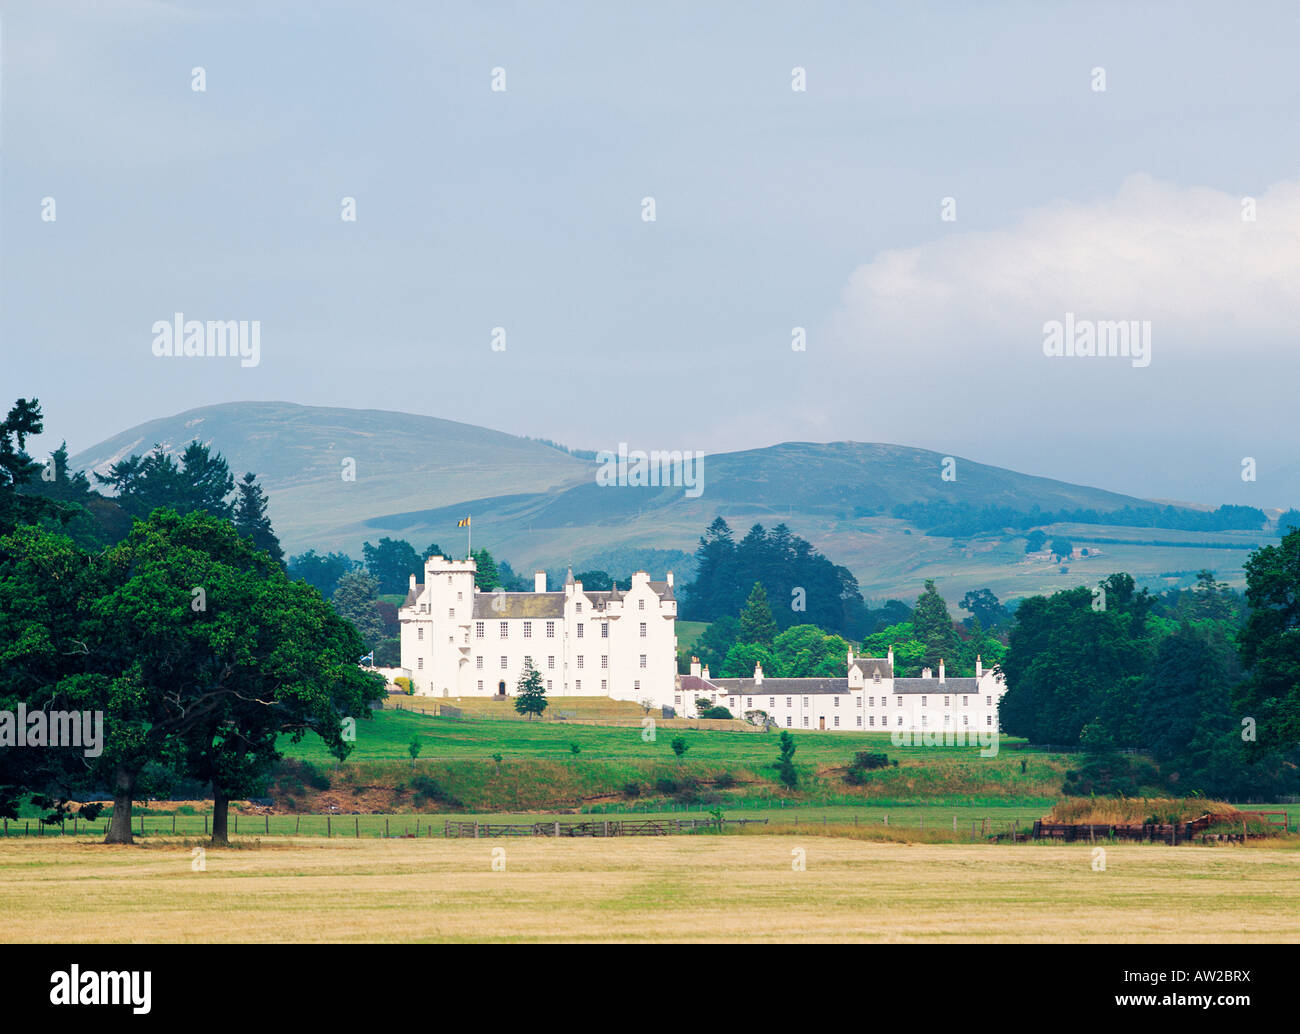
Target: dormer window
[{"x": 876, "y": 678}]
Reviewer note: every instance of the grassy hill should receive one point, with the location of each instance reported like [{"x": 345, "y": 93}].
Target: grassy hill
[{"x": 539, "y": 506}]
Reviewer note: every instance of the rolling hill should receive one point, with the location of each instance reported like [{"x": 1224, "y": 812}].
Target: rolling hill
[{"x": 537, "y": 505}]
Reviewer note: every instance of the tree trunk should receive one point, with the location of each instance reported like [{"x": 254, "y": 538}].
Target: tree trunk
[
  {"x": 220, "y": 814},
  {"x": 119, "y": 827}
]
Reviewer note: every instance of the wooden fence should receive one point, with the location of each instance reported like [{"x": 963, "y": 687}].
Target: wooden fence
[{"x": 598, "y": 828}]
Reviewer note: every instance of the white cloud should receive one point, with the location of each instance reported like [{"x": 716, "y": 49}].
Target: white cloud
[{"x": 1180, "y": 257}]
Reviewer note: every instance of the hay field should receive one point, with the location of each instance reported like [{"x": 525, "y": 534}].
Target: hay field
[{"x": 689, "y": 888}]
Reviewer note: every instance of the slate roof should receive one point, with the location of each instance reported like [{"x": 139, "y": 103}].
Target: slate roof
[{"x": 536, "y": 604}]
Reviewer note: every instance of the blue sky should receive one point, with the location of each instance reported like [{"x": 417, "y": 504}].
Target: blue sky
[{"x": 774, "y": 209}]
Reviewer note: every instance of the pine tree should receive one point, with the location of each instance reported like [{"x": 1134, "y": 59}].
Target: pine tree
[
  {"x": 530, "y": 696},
  {"x": 486, "y": 576},
  {"x": 252, "y": 520},
  {"x": 933, "y": 627},
  {"x": 757, "y": 625}
]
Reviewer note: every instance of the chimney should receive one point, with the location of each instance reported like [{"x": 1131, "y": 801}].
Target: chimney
[
  {"x": 670, "y": 579},
  {"x": 926, "y": 673},
  {"x": 979, "y": 667},
  {"x": 695, "y": 666},
  {"x": 539, "y": 581},
  {"x": 890, "y": 658},
  {"x": 705, "y": 673},
  {"x": 758, "y": 673},
  {"x": 940, "y": 669},
  {"x": 850, "y": 665},
  {"x": 413, "y": 583}
]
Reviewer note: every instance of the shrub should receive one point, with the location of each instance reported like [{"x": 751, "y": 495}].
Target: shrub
[
  {"x": 868, "y": 760},
  {"x": 716, "y": 712},
  {"x": 428, "y": 789},
  {"x": 632, "y": 789},
  {"x": 725, "y": 781},
  {"x": 404, "y": 684},
  {"x": 667, "y": 786}
]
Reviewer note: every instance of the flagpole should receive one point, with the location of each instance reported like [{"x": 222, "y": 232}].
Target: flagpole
[{"x": 469, "y": 536}]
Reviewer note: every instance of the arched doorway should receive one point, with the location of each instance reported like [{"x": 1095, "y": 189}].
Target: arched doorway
[{"x": 501, "y": 688}]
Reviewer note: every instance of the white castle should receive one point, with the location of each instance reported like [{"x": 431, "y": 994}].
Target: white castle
[
  {"x": 870, "y": 698},
  {"x": 458, "y": 641}
]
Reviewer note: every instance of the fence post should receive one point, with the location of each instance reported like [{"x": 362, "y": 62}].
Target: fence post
[
  {"x": 476, "y": 829},
  {"x": 329, "y": 832},
  {"x": 557, "y": 828},
  {"x": 268, "y": 822},
  {"x": 385, "y": 827},
  {"x": 886, "y": 818},
  {"x": 357, "y": 819},
  {"x": 236, "y": 823},
  {"x": 954, "y": 824},
  {"x": 27, "y": 828},
  {"x": 205, "y": 825},
  {"x": 297, "y": 820},
  {"x": 417, "y": 826},
  {"x": 74, "y": 825}
]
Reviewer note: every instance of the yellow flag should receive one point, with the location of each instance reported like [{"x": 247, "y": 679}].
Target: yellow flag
[{"x": 463, "y": 524}]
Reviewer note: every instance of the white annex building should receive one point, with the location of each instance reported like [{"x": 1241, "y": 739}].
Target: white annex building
[
  {"x": 458, "y": 641},
  {"x": 870, "y": 698}
]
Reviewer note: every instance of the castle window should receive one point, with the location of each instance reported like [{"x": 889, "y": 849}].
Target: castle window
[
  {"x": 640, "y": 604},
  {"x": 900, "y": 720},
  {"x": 503, "y": 662},
  {"x": 871, "y": 701},
  {"x": 579, "y": 660},
  {"x": 580, "y": 629},
  {"x": 550, "y": 630},
  {"x": 451, "y": 613},
  {"x": 577, "y": 608},
  {"x": 805, "y": 721},
  {"x": 419, "y": 662},
  {"x": 478, "y": 663},
  {"x": 870, "y": 721},
  {"x": 771, "y": 702},
  {"x": 419, "y": 634},
  {"x": 577, "y": 686},
  {"x": 788, "y": 701},
  {"x": 876, "y": 678},
  {"x": 505, "y": 630},
  {"x": 677, "y": 697},
  {"x": 945, "y": 701},
  {"x": 922, "y": 701},
  {"x": 604, "y": 660},
  {"x": 989, "y": 701},
  {"x": 988, "y": 720},
  {"x": 636, "y": 686},
  {"x": 925, "y": 720},
  {"x": 787, "y": 721},
  {"x": 480, "y": 685},
  {"x": 604, "y": 631},
  {"x": 642, "y": 629},
  {"x": 605, "y": 685},
  {"x": 478, "y": 630},
  {"x": 528, "y": 629},
  {"x": 550, "y": 663},
  {"x": 837, "y": 721},
  {"x": 837, "y": 704},
  {"x": 643, "y": 660},
  {"x": 965, "y": 701},
  {"x": 460, "y": 597},
  {"x": 548, "y": 685},
  {"x": 965, "y": 719},
  {"x": 900, "y": 701},
  {"x": 805, "y": 701},
  {"x": 749, "y": 701}
]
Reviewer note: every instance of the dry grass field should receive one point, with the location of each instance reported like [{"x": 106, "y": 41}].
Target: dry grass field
[{"x": 688, "y": 888}]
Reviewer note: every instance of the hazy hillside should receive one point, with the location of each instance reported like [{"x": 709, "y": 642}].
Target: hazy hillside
[
  {"x": 537, "y": 506},
  {"x": 403, "y": 461}
]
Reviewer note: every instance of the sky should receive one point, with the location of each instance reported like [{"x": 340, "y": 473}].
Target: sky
[{"x": 1170, "y": 197}]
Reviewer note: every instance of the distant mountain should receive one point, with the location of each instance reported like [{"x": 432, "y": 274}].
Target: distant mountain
[
  {"x": 538, "y": 506},
  {"x": 402, "y": 461}
]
